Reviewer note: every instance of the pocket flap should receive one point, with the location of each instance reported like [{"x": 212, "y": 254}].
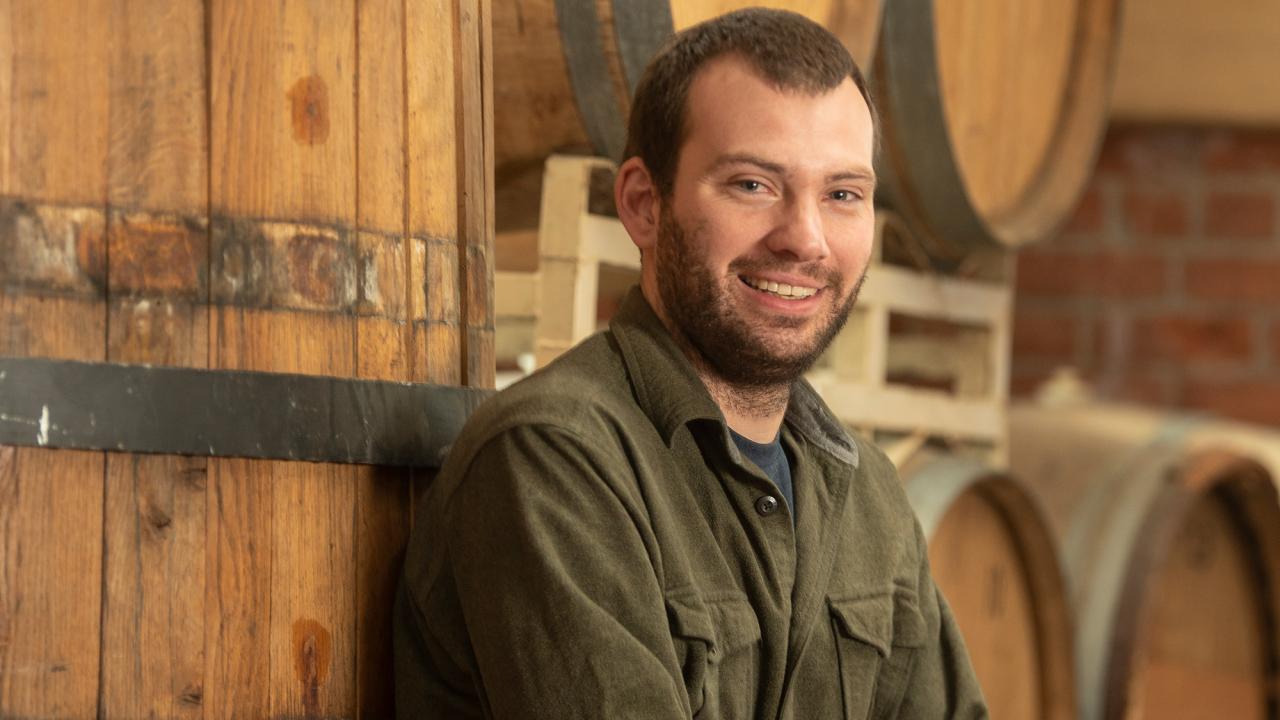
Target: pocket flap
[
  {"x": 868, "y": 619},
  {"x": 881, "y": 621},
  {"x": 689, "y": 618}
]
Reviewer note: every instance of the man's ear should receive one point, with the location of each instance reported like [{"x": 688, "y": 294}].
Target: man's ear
[{"x": 636, "y": 197}]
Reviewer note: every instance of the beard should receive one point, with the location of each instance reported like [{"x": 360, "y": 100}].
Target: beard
[{"x": 743, "y": 352}]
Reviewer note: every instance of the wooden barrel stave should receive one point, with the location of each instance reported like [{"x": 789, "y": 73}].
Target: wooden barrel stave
[
  {"x": 187, "y": 191},
  {"x": 51, "y": 502}
]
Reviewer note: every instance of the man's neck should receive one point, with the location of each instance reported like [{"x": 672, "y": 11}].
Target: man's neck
[{"x": 754, "y": 413}]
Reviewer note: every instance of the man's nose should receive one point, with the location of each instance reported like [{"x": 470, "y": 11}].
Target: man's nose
[{"x": 799, "y": 232}]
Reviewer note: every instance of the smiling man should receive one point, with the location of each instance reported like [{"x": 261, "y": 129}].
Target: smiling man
[{"x": 667, "y": 522}]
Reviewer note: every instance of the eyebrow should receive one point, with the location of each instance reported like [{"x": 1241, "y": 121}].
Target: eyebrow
[{"x": 778, "y": 169}]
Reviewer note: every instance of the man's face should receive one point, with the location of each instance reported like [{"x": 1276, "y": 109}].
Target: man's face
[{"x": 769, "y": 227}]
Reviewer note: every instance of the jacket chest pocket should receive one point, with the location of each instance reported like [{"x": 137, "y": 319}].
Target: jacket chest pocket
[
  {"x": 876, "y": 637},
  {"x": 718, "y": 646}
]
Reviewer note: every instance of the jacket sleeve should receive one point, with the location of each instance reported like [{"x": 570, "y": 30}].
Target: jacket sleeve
[
  {"x": 547, "y": 592},
  {"x": 942, "y": 683}
]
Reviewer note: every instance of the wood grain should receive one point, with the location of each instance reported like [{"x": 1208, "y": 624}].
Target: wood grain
[
  {"x": 238, "y": 590},
  {"x": 151, "y": 152},
  {"x": 283, "y": 144},
  {"x": 993, "y": 91},
  {"x": 53, "y": 122},
  {"x": 976, "y": 562},
  {"x": 433, "y": 185},
  {"x": 1206, "y": 633},
  {"x": 384, "y": 344},
  {"x": 153, "y": 612}
]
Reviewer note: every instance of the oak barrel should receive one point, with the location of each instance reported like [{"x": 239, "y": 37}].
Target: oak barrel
[
  {"x": 564, "y": 71},
  {"x": 1171, "y": 537},
  {"x": 993, "y": 556},
  {"x": 993, "y": 114},
  {"x": 291, "y": 186}
]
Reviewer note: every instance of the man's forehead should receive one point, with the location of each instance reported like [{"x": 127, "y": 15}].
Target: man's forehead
[{"x": 734, "y": 112}]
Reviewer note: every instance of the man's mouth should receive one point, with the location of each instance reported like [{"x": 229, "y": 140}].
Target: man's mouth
[{"x": 782, "y": 290}]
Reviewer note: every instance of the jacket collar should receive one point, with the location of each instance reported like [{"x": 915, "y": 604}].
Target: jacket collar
[{"x": 671, "y": 394}]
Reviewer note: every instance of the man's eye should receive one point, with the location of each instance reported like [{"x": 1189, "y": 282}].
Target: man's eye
[
  {"x": 844, "y": 195},
  {"x": 750, "y": 185}
]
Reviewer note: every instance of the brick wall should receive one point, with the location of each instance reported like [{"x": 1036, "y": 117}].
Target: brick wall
[{"x": 1164, "y": 288}]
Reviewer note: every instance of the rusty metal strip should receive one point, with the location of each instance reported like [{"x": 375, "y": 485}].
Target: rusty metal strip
[
  {"x": 222, "y": 413},
  {"x": 61, "y": 250}
]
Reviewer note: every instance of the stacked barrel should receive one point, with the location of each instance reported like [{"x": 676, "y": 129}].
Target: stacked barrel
[
  {"x": 1171, "y": 534},
  {"x": 294, "y": 187}
]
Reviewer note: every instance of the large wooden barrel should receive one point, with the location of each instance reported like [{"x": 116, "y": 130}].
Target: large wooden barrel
[
  {"x": 1171, "y": 537},
  {"x": 992, "y": 554},
  {"x": 290, "y": 186},
  {"x": 993, "y": 113},
  {"x": 564, "y": 71}
]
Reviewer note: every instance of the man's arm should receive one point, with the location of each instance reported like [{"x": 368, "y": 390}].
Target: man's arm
[
  {"x": 558, "y": 611},
  {"x": 942, "y": 681}
]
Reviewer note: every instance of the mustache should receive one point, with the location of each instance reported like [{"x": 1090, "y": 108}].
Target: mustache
[{"x": 821, "y": 275}]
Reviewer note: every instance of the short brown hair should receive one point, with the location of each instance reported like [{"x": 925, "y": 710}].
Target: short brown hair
[{"x": 787, "y": 49}]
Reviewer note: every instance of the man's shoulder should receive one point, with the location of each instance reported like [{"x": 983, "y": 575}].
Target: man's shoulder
[{"x": 585, "y": 392}]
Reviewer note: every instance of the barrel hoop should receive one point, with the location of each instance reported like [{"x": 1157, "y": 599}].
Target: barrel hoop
[
  {"x": 908, "y": 59},
  {"x": 589, "y": 74},
  {"x": 934, "y": 488},
  {"x": 1092, "y": 550},
  {"x": 228, "y": 413},
  {"x": 928, "y": 182},
  {"x": 641, "y": 26}
]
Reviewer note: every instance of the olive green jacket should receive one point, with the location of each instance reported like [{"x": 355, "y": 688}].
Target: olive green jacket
[{"x": 596, "y": 547}]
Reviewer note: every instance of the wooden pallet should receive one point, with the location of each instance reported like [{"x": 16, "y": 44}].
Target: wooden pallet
[
  {"x": 584, "y": 254},
  {"x": 923, "y": 358}
]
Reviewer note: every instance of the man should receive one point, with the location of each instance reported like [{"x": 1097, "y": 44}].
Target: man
[{"x": 667, "y": 522}]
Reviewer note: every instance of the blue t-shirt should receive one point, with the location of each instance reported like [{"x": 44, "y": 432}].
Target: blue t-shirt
[{"x": 772, "y": 459}]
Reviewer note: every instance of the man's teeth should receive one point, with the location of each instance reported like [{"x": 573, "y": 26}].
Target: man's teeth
[{"x": 781, "y": 289}]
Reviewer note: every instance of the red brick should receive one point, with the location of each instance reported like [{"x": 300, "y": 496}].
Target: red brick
[
  {"x": 1240, "y": 215},
  {"x": 1249, "y": 152},
  {"x": 1044, "y": 335},
  {"x": 1151, "y": 152},
  {"x": 1089, "y": 214},
  {"x": 1157, "y": 213},
  {"x": 1192, "y": 339},
  {"x": 1233, "y": 279},
  {"x": 1252, "y": 401},
  {"x": 1107, "y": 273}
]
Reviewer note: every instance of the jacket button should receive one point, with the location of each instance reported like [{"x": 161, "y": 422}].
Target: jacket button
[{"x": 766, "y": 504}]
